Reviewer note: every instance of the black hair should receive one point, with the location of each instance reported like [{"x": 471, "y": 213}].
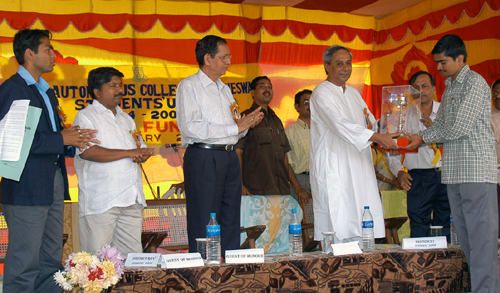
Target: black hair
[
  {"x": 253, "y": 84},
  {"x": 497, "y": 82},
  {"x": 28, "y": 39},
  {"x": 101, "y": 76},
  {"x": 299, "y": 95},
  {"x": 452, "y": 46},
  {"x": 416, "y": 75},
  {"x": 208, "y": 45}
]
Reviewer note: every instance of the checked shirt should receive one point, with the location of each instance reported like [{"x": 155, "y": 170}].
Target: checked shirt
[{"x": 463, "y": 126}]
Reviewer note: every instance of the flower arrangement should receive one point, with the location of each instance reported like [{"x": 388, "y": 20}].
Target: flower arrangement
[{"x": 90, "y": 272}]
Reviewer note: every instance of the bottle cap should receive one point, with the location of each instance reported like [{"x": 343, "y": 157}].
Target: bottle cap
[
  {"x": 212, "y": 214},
  {"x": 294, "y": 210},
  {"x": 367, "y": 207}
]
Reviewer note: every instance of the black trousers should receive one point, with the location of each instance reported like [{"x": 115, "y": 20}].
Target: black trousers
[
  {"x": 427, "y": 198},
  {"x": 212, "y": 181}
]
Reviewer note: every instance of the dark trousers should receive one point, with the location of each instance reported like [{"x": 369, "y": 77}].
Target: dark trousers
[
  {"x": 212, "y": 180},
  {"x": 427, "y": 198},
  {"x": 35, "y": 244}
]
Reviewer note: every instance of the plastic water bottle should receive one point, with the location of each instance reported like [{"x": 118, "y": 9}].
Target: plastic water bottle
[
  {"x": 213, "y": 241},
  {"x": 295, "y": 235},
  {"x": 368, "y": 236},
  {"x": 453, "y": 233}
]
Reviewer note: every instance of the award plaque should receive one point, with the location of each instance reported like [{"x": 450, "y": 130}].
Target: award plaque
[{"x": 400, "y": 112}]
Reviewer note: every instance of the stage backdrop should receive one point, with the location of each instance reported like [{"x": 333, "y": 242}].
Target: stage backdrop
[{"x": 152, "y": 42}]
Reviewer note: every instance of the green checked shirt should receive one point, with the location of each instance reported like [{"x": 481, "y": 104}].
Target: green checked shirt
[{"x": 463, "y": 126}]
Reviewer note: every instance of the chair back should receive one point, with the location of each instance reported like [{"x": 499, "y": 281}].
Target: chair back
[
  {"x": 167, "y": 215},
  {"x": 4, "y": 236}
]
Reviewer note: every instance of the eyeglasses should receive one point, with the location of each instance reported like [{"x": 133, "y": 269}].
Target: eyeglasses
[{"x": 226, "y": 57}]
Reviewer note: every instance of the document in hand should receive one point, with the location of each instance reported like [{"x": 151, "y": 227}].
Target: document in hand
[{"x": 17, "y": 130}]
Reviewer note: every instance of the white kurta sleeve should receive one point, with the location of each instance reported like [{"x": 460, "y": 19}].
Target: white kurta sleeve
[{"x": 333, "y": 113}]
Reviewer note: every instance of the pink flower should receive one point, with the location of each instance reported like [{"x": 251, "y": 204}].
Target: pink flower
[
  {"x": 69, "y": 263},
  {"x": 111, "y": 253}
]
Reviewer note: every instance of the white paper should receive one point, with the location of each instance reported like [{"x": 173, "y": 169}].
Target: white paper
[
  {"x": 12, "y": 131},
  {"x": 13, "y": 170},
  {"x": 425, "y": 243},
  {"x": 142, "y": 260},
  {"x": 181, "y": 260},
  {"x": 239, "y": 256},
  {"x": 346, "y": 248}
]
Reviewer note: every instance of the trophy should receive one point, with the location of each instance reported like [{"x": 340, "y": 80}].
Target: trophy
[
  {"x": 400, "y": 112},
  {"x": 401, "y": 102}
]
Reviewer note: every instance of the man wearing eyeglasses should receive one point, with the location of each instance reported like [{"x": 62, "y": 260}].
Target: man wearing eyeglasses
[
  {"x": 298, "y": 135},
  {"x": 210, "y": 125}
]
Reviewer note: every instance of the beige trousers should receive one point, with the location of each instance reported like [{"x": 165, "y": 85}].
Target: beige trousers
[{"x": 119, "y": 226}]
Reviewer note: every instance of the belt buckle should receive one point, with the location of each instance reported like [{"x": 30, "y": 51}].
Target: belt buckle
[{"x": 229, "y": 147}]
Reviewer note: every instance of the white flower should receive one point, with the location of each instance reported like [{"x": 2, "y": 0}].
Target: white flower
[{"x": 62, "y": 281}]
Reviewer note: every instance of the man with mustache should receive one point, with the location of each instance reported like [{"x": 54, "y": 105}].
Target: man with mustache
[
  {"x": 427, "y": 196},
  {"x": 264, "y": 164},
  {"x": 110, "y": 193},
  {"x": 298, "y": 157},
  {"x": 463, "y": 125},
  {"x": 342, "y": 177}
]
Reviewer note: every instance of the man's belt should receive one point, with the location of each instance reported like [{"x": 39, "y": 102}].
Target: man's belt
[
  {"x": 220, "y": 147},
  {"x": 305, "y": 173}
]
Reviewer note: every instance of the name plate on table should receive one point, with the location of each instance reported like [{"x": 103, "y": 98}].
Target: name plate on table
[
  {"x": 142, "y": 259},
  {"x": 181, "y": 260},
  {"x": 425, "y": 243},
  {"x": 238, "y": 256},
  {"x": 346, "y": 248}
]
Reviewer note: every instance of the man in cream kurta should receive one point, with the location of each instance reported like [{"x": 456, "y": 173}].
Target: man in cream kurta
[{"x": 342, "y": 175}]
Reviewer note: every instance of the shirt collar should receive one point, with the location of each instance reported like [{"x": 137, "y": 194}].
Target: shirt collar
[
  {"x": 460, "y": 77},
  {"x": 99, "y": 108},
  {"x": 255, "y": 106},
  {"x": 30, "y": 80},
  {"x": 206, "y": 81},
  {"x": 435, "y": 107},
  {"x": 302, "y": 123}
]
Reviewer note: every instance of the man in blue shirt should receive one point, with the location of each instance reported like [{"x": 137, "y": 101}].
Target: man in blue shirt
[{"x": 33, "y": 206}]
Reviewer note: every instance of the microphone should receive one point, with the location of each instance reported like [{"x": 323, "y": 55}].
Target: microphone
[{"x": 172, "y": 145}]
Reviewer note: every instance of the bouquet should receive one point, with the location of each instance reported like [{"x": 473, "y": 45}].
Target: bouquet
[{"x": 90, "y": 272}]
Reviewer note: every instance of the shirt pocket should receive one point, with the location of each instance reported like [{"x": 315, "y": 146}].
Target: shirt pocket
[
  {"x": 262, "y": 135},
  {"x": 281, "y": 137}
]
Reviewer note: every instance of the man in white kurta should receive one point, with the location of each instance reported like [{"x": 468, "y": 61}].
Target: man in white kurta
[{"x": 342, "y": 176}]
